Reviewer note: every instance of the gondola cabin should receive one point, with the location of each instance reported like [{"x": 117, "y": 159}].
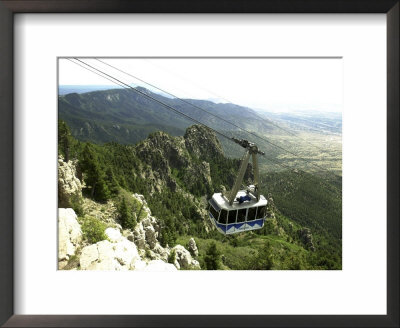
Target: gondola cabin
[{"x": 245, "y": 213}]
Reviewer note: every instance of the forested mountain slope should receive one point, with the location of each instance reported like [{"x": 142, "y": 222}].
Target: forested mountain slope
[
  {"x": 128, "y": 117},
  {"x": 176, "y": 176}
]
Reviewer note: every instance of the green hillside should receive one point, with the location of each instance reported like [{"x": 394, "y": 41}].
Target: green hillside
[{"x": 303, "y": 226}]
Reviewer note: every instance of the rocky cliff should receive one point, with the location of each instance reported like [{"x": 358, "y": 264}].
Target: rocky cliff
[{"x": 120, "y": 249}]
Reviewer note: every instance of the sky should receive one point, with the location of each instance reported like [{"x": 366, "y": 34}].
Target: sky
[{"x": 271, "y": 84}]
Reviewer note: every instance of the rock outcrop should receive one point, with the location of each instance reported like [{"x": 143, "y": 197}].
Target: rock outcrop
[
  {"x": 111, "y": 256},
  {"x": 123, "y": 250},
  {"x": 170, "y": 159},
  {"x": 69, "y": 235},
  {"x": 162, "y": 152},
  {"x": 69, "y": 186},
  {"x": 147, "y": 231},
  {"x": 202, "y": 142},
  {"x": 193, "y": 247},
  {"x": 183, "y": 259},
  {"x": 118, "y": 254},
  {"x": 306, "y": 238}
]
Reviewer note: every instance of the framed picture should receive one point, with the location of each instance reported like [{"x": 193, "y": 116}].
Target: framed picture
[{"x": 147, "y": 102}]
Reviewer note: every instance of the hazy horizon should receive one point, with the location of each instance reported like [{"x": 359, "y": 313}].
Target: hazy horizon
[{"x": 283, "y": 85}]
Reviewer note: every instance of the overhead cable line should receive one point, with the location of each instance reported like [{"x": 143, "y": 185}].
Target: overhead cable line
[
  {"x": 90, "y": 70},
  {"x": 224, "y": 98},
  {"x": 129, "y": 88},
  {"x": 221, "y": 118},
  {"x": 156, "y": 100},
  {"x": 180, "y": 99},
  {"x": 125, "y": 87}
]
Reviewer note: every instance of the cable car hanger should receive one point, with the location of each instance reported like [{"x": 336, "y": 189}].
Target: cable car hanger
[
  {"x": 251, "y": 149},
  {"x": 240, "y": 210}
]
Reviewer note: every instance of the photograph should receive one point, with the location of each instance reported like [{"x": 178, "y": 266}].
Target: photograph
[
  {"x": 199, "y": 163},
  {"x": 153, "y": 150}
]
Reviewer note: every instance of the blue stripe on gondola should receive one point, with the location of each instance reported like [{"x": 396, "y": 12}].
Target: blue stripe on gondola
[
  {"x": 251, "y": 223},
  {"x": 260, "y": 222},
  {"x": 221, "y": 226},
  {"x": 232, "y": 228},
  {"x": 238, "y": 225},
  {"x": 256, "y": 222}
]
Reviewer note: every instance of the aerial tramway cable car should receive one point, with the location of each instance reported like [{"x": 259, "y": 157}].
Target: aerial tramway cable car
[{"x": 240, "y": 210}]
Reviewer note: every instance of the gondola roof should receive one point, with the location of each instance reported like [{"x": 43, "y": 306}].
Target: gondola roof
[{"x": 222, "y": 202}]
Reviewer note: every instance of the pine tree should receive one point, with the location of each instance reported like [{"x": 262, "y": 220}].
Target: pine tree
[
  {"x": 64, "y": 139},
  {"x": 172, "y": 257},
  {"x": 102, "y": 193},
  {"x": 128, "y": 220},
  {"x": 265, "y": 259},
  {"x": 94, "y": 176},
  {"x": 111, "y": 181},
  {"x": 212, "y": 258}
]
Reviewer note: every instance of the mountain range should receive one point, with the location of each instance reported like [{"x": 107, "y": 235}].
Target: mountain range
[{"x": 128, "y": 117}]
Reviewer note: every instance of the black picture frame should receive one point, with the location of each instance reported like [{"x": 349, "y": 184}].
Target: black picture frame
[{"x": 10, "y": 7}]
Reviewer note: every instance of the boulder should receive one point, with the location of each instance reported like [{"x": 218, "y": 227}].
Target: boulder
[
  {"x": 161, "y": 252},
  {"x": 109, "y": 256},
  {"x": 184, "y": 259},
  {"x": 158, "y": 265},
  {"x": 69, "y": 186},
  {"x": 125, "y": 252},
  {"x": 89, "y": 255},
  {"x": 114, "y": 235},
  {"x": 69, "y": 235}
]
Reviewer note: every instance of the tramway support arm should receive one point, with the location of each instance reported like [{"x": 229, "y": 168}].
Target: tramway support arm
[{"x": 240, "y": 177}]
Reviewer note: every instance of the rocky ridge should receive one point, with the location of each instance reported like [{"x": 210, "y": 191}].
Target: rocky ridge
[{"x": 165, "y": 155}]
